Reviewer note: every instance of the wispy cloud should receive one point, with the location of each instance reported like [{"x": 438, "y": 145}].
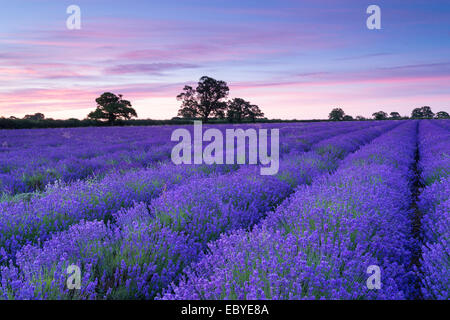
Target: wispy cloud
[
  {"x": 364, "y": 56},
  {"x": 294, "y": 58},
  {"x": 148, "y": 68}
]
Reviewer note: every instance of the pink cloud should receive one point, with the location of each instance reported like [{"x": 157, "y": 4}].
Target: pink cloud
[
  {"x": 151, "y": 68},
  {"x": 275, "y": 62}
]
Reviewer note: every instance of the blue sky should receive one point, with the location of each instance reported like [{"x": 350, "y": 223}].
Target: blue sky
[{"x": 295, "y": 59}]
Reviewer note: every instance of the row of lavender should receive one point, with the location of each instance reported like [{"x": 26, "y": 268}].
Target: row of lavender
[
  {"x": 434, "y": 203},
  {"x": 33, "y": 221},
  {"x": 30, "y": 159},
  {"x": 320, "y": 243},
  {"x": 65, "y": 205},
  {"x": 443, "y": 123},
  {"x": 146, "y": 247}
]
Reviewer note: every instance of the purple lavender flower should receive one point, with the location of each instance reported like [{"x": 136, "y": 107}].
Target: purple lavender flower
[{"x": 319, "y": 243}]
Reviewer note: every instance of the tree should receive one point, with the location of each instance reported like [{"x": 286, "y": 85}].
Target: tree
[
  {"x": 417, "y": 113},
  {"x": 111, "y": 108},
  {"x": 337, "y": 114},
  {"x": 422, "y": 113},
  {"x": 360, "y": 118},
  {"x": 36, "y": 117},
  {"x": 255, "y": 113},
  {"x": 205, "y": 101},
  {"x": 442, "y": 115},
  {"x": 238, "y": 109},
  {"x": 395, "y": 115},
  {"x": 347, "y": 118},
  {"x": 427, "y": 113},
  {"x": 380, "y": 115}
]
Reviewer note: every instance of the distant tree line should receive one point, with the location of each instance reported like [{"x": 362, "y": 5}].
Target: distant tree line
[
  {"x": 207, "y": 102},
  {"x": 337, "y": 114},
  {"x": 16, "y": 123}
]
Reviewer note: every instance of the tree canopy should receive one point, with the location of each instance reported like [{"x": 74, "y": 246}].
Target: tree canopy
[
  {"x": 348, "y": 118},
  {"x": 395, "y": 115},
  {"x": 204, "y": 101},
  {"x": 442, "y": 115},
  {"x": 380, "y": 115},
  {"x": 238, "y": 110},
  {"x": 337, "y": 114},
  {"x": 422, "y": 113},
  {"x": 111, "y": 107},
  {"x": 36, "y": 117}
]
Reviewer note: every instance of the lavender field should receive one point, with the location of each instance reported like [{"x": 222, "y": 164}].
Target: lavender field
[{"x": 347, "y": 196}]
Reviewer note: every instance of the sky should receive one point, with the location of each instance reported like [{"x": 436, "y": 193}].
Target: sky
[{"x": 295, "y": 59}]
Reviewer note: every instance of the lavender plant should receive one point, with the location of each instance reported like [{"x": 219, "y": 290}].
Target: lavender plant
[
  {"x": 319, "y": 243},
  {"x": 198, "y": 211},
  {"x": 434, "y": 204}
]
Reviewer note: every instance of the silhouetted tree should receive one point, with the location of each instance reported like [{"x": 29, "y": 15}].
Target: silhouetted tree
[
  {"x": 422, "y": 113},
  {"x": 337, "y": 114},
  {"x": 36, "y": 117},
  {"x": 205, "y": 101},
  {"x": 380, "y": 115},
  {"x": 427, "y": 113},
  {"x": 360, "y": 118},
  {"x": 238, "y": 109},
  {"x": 255, "y": 113},
  {"x": 442, "y": 115},
  {"x": 395, "y": 115},
  {"x": 111, "y": 108},
  {"x": 347, "y": 118}
]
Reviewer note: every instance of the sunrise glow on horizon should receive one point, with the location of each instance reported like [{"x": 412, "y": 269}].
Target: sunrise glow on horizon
[{"x": 295, "y": 59}]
